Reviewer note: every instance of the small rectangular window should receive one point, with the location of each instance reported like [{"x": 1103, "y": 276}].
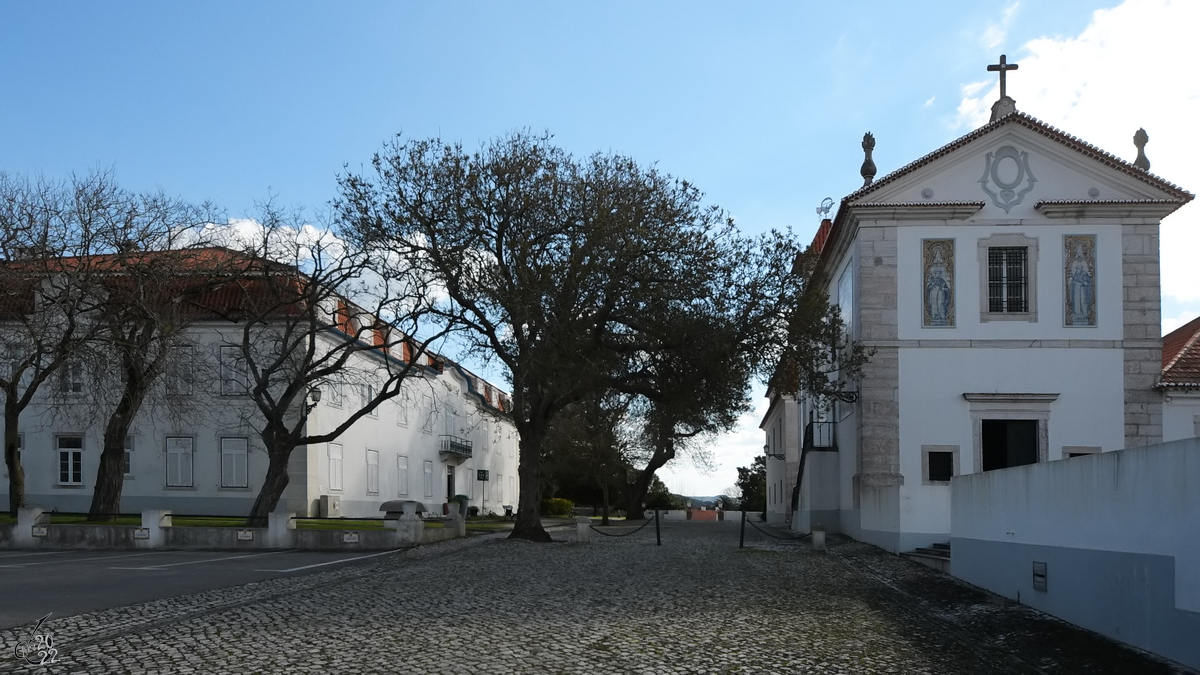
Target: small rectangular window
[
  {"x": 941, "y": 466},
  {"x": 233, "y": 371},
  {"x": 179, "y": 372},
  {"x": 70, "y": 378},
  {"x": 368, "y": 394},
  {"x": 129, "y": 453},
  {"x": 179, "y": 461},
  {"x": 234, "y": 463},
  {"x": 336, "y": 395},
  {"x": 335, "y": 466},
  {"x": 372, "y": 472},
  {"x": 70, "y": 460},
  {"x": 1008, "y": 276},
  {"x": 938, "y": 464},
  {"x": 401, "y": 476}
]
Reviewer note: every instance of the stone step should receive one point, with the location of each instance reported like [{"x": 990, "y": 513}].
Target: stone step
[{"x": 938, "y": 562}]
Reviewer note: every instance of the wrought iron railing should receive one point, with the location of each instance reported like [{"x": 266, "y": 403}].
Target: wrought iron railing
[{"x": 454, "y": 445}]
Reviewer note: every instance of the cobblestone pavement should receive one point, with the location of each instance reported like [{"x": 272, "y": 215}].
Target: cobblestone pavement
[{"x": 697, "y": 604}]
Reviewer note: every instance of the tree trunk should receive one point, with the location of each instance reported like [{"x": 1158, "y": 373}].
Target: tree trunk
[
  {"x": 604, "y": 490},
  {"x": 529, "y": 517},
  {"x": 110, "y": 477},
  {"x": 274, "y": 483},
  {"x": 636, "y": 494},
  {"x": 16, "y": 474}
]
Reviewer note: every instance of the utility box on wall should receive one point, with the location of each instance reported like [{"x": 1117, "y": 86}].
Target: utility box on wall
[{"x": 331, "y": 506}]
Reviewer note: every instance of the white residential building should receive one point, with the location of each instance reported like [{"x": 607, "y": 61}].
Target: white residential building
[{"x": 195, "y": 448}]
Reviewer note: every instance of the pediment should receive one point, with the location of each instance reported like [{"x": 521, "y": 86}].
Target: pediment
[{"x": 1015, "y": 164}]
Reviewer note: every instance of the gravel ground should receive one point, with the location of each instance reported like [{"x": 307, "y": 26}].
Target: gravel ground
[{"x": 697, "y": 604}]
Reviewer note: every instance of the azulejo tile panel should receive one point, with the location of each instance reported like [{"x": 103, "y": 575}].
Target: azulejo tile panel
[
  {"x": 1079, "y": 280},
  {"x": 937, "y": 283}
]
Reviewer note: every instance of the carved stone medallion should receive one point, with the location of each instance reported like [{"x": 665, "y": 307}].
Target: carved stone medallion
[{"x": 1006, "y": 177}]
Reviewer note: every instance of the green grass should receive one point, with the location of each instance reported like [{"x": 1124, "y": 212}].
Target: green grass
[{"x": 338, "y": 524}]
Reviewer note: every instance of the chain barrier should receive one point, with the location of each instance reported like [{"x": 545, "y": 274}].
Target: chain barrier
[
  {"x": 623, "y": 534},
  {"x": 775, "y": 536}
]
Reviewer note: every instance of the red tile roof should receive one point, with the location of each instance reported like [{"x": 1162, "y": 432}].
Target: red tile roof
[{"x": 1181, "y": 356}]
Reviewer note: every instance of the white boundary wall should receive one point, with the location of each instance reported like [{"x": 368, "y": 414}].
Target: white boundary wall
[{"x": 1119, "y": 533}]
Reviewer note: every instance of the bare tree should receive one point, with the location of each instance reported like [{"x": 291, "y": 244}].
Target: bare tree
[
  {"x": 50, "y": 235},
  {"x": 310, "y": 312}
]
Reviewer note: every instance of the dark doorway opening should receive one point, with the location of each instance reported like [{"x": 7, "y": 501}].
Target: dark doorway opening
[{"x": 1009, "y": 443}]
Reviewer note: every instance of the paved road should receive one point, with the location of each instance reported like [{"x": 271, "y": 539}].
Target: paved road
[
  {"x": 697, "y": 604},
  {"x": 63, "y": 583}
]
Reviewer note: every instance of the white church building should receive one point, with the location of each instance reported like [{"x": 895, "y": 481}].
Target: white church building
[{"x": 1008, "y": 285}]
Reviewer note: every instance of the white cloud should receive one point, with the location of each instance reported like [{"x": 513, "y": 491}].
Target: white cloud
[
  {"x": 996, "y": 32},
  {"x": 1126, "y": 70},
  {"x": 1170, "y": 323}
]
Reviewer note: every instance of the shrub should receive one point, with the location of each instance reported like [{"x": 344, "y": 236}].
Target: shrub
[{"x": 558, "y": 507}]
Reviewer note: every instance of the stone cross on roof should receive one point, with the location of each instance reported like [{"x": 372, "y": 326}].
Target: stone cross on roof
[
  {"x": 1003, "y": 67},
  {"x": 1004, "y": 106}
]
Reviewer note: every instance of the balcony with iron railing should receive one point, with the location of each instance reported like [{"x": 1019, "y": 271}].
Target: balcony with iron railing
[{"x": 454, "y": 449}]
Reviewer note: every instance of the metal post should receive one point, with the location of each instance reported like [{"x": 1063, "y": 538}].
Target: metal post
[
  {"x": 742, "y": 540},
  {"x": 657, "y": 532}
]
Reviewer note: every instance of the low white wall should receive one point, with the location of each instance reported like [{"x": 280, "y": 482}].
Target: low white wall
[{"x": 1117, "y": 531}]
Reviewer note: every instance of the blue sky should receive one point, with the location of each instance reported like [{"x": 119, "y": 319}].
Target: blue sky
[{"x": 762, "y": 105}]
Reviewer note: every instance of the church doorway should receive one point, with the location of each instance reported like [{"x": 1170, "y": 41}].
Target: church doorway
[{"x": 1008, "y": 443}]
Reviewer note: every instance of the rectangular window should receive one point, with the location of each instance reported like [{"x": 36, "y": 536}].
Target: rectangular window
[
  {"x": 428, "y": 478},
  {"x": 233, "y": 371},
  {"x": 70, "y": 378},
  {"x": 1008, "y": 443},
  {"x": 401, "y": 475},
  {"x": 128, "y": 453},
  {"x": 335, "y": 466},
  {"x": 336, "y": 395},
  {"x": 179, "y": 372},
  {"x": 402, "y": 410},
  {"x": 179, "y": 461},
  {"x": 368, "y": 394},
  {"x": 70, "y": 460},
  {"x": 372, "y": 472},
  {"x": 234, "y": 463},
  {"x": 1008, "y": 289},
  {"x": 1069, "y": 451},
  {"x": 430, "y": 414}
]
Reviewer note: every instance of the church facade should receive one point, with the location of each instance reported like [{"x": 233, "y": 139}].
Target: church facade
[{"x": 1008, "y": 285}]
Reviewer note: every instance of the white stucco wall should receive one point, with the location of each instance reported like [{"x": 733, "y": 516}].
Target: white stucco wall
[
  {"x": 1181, "y": 415},
  {"x": 207, "y": 417},
  {"x": 1088, "y": 411},
  {"x": 1050, "y": 292},
  {"x": 1116, "y": 533}
]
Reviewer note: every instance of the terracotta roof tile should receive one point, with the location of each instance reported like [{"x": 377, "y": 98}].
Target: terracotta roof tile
[{"x": 1181, "y": 356}]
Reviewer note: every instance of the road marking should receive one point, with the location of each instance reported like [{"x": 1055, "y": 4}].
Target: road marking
[
  {"x": 334, "y": 562},
  {"x": 22, "y": 555},
  {"x": 206, "y": 560},
  {"x": 74, "y": 560}
]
